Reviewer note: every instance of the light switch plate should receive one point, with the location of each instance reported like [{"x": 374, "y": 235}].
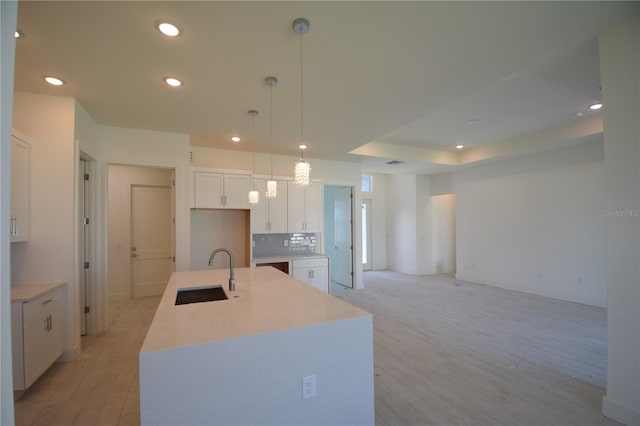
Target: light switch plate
[{"x": 308, "y": 386}]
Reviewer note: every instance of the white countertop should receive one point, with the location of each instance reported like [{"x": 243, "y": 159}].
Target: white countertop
[
  {"x": 265, "y": 300},
  {"x": 27, "y": 292}
]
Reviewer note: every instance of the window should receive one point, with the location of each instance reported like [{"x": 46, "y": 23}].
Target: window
[{"x": 367, "y": 183}]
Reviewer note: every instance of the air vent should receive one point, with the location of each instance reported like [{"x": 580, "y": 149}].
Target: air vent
[{"x": 394, "y": 162}]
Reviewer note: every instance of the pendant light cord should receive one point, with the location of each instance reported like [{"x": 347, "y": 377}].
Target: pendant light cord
[
  {"x": 253, "y": 130},
  {"x": 301, "y": 104},
  {"x": 271, "y": 129}
]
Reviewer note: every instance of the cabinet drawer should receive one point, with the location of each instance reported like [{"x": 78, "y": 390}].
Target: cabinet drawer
[
  {"x": 40, "y": 305},
  {"x": 311, "y": 262}
]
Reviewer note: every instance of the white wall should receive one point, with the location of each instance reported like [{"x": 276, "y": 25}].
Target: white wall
[
  {"x": 117, "y": 145},
  {"x": 535, "y": 224},
  {"x": 8, "y": 14},
  {"x": 219, "y": 228},
  {"x": 420, "y": 227},
  {"x": 379, "y": 220},
  {"x": 620, "y": 71},
  {"x": 49, "y": 255},
  {"x": 401, "y": 224},
  {"x": 443, "y": 250},
  {"x": 119, "y": 181}
]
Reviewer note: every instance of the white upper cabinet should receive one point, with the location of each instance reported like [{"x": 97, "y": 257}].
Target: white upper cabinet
[
  {"x": 215, "y": 190},
  {"x": 269, "y": 216},
  {"x": 20, "y": 171},
  {"x": 305, "y": 208}
]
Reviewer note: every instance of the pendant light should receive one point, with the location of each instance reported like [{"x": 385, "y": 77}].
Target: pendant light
[
  {"x": 254, "y": 196},
  {"x": 272, "y": 185},
  {"x": 302, "y": 169}
]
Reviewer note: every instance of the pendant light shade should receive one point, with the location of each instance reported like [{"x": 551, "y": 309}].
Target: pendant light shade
[
  {"x": 254, "y": 196},
  {"x": 272, "y": 189},
  {"x": 302, "y": 168},
  {"x": 272, "y": 185}
]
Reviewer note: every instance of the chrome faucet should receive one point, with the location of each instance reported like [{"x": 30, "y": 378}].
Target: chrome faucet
[{"x": 232, "y": 278}]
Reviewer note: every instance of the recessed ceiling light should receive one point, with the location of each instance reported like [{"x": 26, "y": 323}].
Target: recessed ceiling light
[
  {"x": 173, "y": 82},
  {"x": 18, "y": 34},
  {"x": 54, "y": 81},
  {"x": 459, "y": 146},
  {"x": 168, "y": 29},
  {"x": 235, "y": 138},
  {"x": 578, "y": 114},
  {"x": 302, "y": 146},
  {"x": 595, "y": 106}
]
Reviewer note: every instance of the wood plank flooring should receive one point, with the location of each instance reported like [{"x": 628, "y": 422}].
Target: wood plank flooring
[{"x": 446, "y": 353}]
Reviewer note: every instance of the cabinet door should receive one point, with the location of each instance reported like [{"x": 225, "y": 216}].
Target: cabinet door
[
  {"x": 302, "y": 274},
  {"x": 42, "y": 341},
  {"x": 314, "y": 208},
  {"x": 305, "y": 208},
  {"x": 277, "y": 213},
  {"x": 295, "y": 208},
  {"x": 236, "y": 191},
  {"x": 207, "y": 190},
  {"x": 20, "y": 154},
  {"x": 320, "y": 278},
  {"x": 259, "y": 219}
]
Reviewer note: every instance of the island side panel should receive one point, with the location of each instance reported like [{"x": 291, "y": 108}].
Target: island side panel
[{"x": 258, "y": 379}]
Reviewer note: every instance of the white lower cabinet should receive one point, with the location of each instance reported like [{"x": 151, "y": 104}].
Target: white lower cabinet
[
  {"x": 313, "y": 271},
  {"x": 36, "y": 337}
]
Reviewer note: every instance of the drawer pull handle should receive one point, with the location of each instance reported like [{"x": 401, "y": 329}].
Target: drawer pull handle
[{"x": 46, "y": 301}]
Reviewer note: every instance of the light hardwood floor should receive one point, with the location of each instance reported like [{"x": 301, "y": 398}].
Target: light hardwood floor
[{"x": 446, "y": 353}]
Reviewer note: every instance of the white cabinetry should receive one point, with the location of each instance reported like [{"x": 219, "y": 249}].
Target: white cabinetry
[
  {"x": 305, "y": 208},
  {"x": 270, "y": 214},
  {"x": 215, "y": 190},
  {"x": 20, "y": 155},
  {"x": 313, "y": 271},
  {"x": 36, "y": 336}
]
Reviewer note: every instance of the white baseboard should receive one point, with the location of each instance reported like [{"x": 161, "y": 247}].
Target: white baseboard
[
  {"x": 118, "y": 297},
  {"x": 620, "y": 413},
  {"x": 70, "y": 354}
]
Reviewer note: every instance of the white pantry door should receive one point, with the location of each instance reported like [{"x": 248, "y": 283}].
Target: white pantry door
[
  {"x": 151, "y": 239},
  {"x": 343, "y": 272}
]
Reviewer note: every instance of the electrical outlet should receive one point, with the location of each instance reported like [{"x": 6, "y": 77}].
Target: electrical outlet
[{"x": 308, "y": 386}]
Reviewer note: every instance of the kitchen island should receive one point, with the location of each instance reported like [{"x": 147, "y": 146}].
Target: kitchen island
[{"x": 277, "y": 351}]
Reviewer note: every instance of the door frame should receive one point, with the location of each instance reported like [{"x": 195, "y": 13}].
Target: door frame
[
  {"x": 87, "y": 280},
  {"x": 352, "y": 220},
  {"x": 367, "y": 233}
]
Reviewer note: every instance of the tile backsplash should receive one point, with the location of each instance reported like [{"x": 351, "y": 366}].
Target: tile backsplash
[{"x": 265, "y": 245}]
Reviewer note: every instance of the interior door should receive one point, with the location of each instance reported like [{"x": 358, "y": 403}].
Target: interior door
[
  {"x": 152, "y": 259},
  {"x": 343, "y": 270}
]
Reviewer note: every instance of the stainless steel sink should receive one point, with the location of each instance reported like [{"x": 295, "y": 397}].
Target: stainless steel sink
[{"x": 200, "y": 294}]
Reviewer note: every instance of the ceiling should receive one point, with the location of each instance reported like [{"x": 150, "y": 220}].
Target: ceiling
[{"x": 381, "y": 80}]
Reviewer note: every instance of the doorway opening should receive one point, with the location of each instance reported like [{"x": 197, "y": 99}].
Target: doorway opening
[
  {"x": 338, "y": 228},
  {"x": 140, "y": 230}
]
